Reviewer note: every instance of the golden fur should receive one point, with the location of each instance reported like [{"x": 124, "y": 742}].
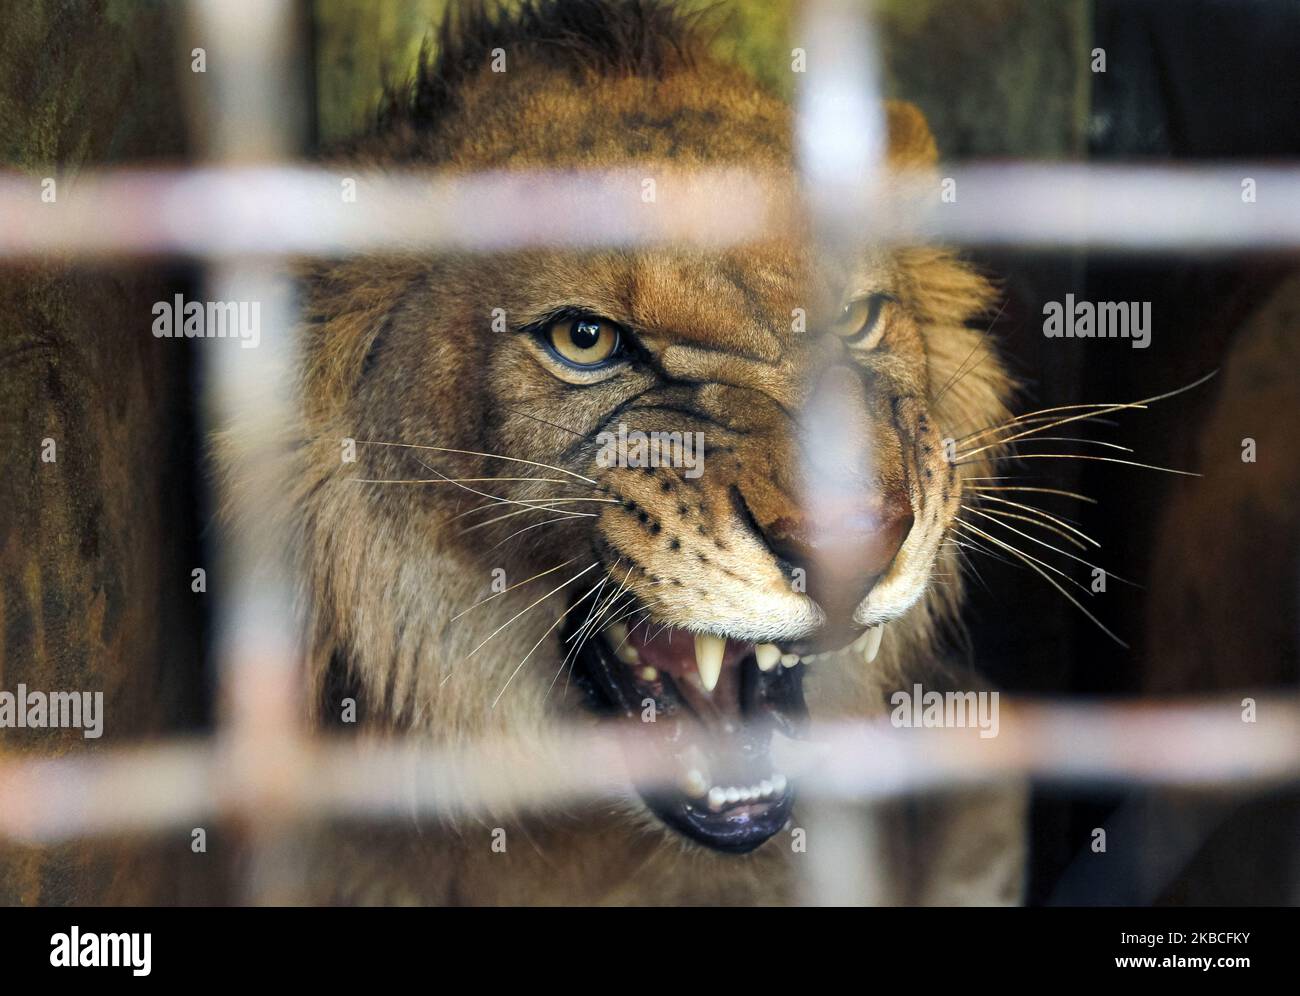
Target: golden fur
[{"x": 402, "y": 350}]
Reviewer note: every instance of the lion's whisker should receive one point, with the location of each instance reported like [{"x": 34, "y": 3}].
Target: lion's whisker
[
  {"x": 971, "y": 544},
  {"x": 1092, "y": 412},
  {"x": 1049, "y": 439},
  {"x": 553, "y": 425},
  {"x": 628, "y": 635},
  {"x": 493, "y": 504},
  {"x": 533, "y": 605},
  {"x": 490, "y": 456},
  {"x": 642, "y": 622},
  {"x": 632, "y": 629},
  {"x": 533, "y": 648},
  {"x": 1050, "y": 491},
  {"x": 625, "y": 609},
  {"x": 545, "y": 505},
  {"x": 961, "y": 371},
  {"x": 1031, "y": 418},
  {"x": 588, "y": 629},
  {"x": 1032, "y": 436},
  {"x": 1106, "y": 411},
  {"x": 535, "y": 525},
  {"x": 611, "y": 598},
  {"x": 1031, "y": 562},
  {"x": 1057, "y": 549},
  {"x": 475, "y": 491},
  {"x": 1037, "y": 522},
  {"x": 573, "y": 651},
  {"x": 627, "y": 600},
  {"x": 604, "y": 579},
  {"x": 455, "y": 480},
  {"x": 631, "y": 604},
  {"x": 1007, "y": 546},
  {"x": 559, "y": 514},
  {"x": 517, "y": 584},
  {"x": 1046, "y": 515},
  {"x": 657, "y": 633},
  {"x": 965, "y": 562},
  {"x": 1081, "y": 456}
]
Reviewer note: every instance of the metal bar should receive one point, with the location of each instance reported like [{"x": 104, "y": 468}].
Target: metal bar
[
  {"x": 1202, "y": 744},
  {"x": 842, "y": 143},
  {"x": 300, "y": 210},
  {"x": 249, "y": 101},
  {"x": 262, "y": 211}
]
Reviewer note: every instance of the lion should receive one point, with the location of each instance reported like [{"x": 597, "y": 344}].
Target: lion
[{"x": 720, "y": 597}]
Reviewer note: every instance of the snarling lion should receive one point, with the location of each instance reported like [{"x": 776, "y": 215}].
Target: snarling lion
[{"x": 725, "y": 598}]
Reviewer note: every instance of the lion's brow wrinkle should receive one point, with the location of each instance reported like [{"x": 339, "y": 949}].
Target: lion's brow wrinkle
[
  {"x": 673, "y": 409},
  {"x": 682, "y": 353}
]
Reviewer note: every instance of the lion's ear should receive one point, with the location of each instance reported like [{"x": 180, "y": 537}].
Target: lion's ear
[{"x": 911, "y": 143}]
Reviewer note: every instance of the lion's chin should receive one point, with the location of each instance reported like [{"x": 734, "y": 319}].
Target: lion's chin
[{"x": 712, "y": 705}]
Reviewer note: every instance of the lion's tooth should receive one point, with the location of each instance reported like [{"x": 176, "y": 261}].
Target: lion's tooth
[
  {"x": 778, "y": 783},
  {"x": 789, "y": 660},
  {"x": 717, "y": 798},
  {"x": 617, "y": 636},
  {"x": 871, "y": 646},
  {"x": 767, "y": 655},
  {"x": 694, "y": 783},
  {"x": 709, "y": 650},
  {"x": 648, "y": 674}
]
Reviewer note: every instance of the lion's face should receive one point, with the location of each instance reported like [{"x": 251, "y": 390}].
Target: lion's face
[{"x": 703, "y": 473}]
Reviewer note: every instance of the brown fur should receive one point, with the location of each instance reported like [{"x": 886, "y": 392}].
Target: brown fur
[{"x": 401, "y": 350}]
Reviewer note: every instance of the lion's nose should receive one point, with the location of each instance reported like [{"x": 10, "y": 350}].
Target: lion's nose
[{"x": 840, "y": 555}]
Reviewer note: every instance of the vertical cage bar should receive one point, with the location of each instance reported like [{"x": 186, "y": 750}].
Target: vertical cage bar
[
  {"x": 841, "y": 145},
  {"x": 251, "y": 109}
]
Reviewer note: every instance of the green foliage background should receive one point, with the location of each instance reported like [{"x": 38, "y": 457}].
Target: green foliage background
[{"x": 995, "y": 77}]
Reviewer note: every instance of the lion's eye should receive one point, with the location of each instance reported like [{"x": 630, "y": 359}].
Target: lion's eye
[
  {"x": 859, "y": 318},
  {"x": 584, "y": 341}
]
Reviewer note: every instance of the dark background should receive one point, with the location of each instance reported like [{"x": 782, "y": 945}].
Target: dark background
[{"x": 1184, "y": 81}]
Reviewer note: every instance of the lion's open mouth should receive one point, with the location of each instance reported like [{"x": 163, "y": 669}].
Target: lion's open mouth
[{"x": 716, "y": 703}]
